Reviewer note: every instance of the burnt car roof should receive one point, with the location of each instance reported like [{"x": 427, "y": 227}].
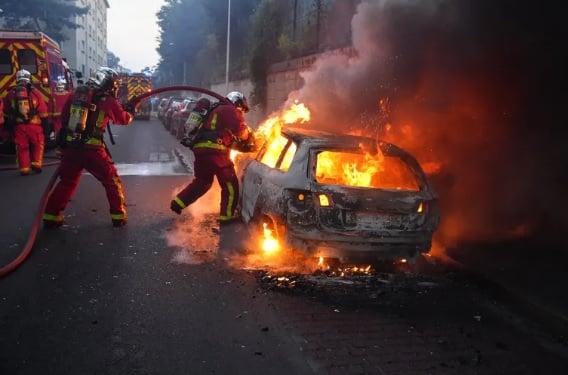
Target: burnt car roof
[{"x": 320, "y": 138}]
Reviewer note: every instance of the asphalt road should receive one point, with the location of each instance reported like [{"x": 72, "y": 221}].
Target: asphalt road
[{"x": 172, "y": 294}]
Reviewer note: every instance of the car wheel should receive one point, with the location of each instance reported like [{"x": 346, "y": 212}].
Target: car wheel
[{"x": 255, "y": 228}]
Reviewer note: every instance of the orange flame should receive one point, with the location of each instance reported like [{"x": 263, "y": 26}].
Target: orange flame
[
  {"x": 270, "y": 129},
  {"x": 269, "y": 244}
]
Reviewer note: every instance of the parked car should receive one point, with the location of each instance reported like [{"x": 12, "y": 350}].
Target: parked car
[
  {"x": 163, "y": 110},
  {"x": 161, "y": 107},
  {"x": 174, "y": 106},
  {"x": 340, "y": 197},
  {"x": 179, "y": 117}
]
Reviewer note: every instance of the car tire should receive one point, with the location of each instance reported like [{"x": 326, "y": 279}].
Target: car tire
[{"x": 255, "y": 229}]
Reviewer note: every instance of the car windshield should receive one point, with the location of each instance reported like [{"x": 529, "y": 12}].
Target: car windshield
[{"x": 358, "y": 169}]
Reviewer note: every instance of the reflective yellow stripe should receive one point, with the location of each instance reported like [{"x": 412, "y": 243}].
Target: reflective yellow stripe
[
  {"x": 100, "y": 119},
  {"x": 209, "y": 144},
  {"x": 214, "y": 122},
  {"x": 52, "y": 217},
  {"x": 227, "y": 218},
  {"x": 118, "y": 184},
  {"x": 94, "y": 142},
  {"x": 231, "y": 199},
  {"x": 118, "y": 216},
  {"x": 180, "y": 202}
]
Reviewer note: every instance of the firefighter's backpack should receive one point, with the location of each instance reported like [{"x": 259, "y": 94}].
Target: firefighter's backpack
[
  {"x": 24, "y": 107},
  {"x": 83, "y": 104}
]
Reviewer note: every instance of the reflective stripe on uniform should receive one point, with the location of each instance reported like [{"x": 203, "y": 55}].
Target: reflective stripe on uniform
[
  {"x": 94, "y": 142},
  {"x": 209, "y": 144},
  {"x": 180, "y": 202},
  {"x": 100, "y": 119},
  {"x": 227, "y": 218},
  {"x": 52, "y": 217},
  {"x": 230, "y": 200},
  {"x": 118, "y": 216},
  {"x": 214, "y": 121}
]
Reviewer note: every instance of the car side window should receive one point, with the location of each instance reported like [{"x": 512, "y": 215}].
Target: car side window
[
  {"x": 288, "y": 156},
  {"x": 273, "y": 152}
]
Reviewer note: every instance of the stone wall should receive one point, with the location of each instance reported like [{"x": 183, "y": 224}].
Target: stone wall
[{"x": 283, "y": 78}]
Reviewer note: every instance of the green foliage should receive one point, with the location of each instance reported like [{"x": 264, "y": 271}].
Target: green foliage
[
  {"x": 266, "y": 30},
  {"x": 193, "y": 33},
  {"x": 288, "y": 47},
  {"x": 48, "y": 16}
]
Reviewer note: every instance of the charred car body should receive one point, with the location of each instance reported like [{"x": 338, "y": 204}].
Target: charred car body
[{"x": 339, "y": 196}]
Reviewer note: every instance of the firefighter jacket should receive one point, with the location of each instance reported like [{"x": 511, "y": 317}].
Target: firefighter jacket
[
  {"x": 224, "y": 125},
  {"x": 107, "y": 109},
  {"x": 25, "y": 105}
]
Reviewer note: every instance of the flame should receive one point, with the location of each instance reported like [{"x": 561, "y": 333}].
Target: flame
[
  {"x": 363, "y": 170},
  {"x": 269, "y": 129},
  {"x": 269, "y": 243}
]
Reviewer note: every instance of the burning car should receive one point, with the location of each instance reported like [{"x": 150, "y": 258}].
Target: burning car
[{"x": 339, "y": 196}]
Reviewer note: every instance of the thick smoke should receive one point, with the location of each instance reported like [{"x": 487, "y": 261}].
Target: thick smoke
[{"x": 473, "y": 86}]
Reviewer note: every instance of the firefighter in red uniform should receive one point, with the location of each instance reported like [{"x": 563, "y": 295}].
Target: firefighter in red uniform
[
  {"x": 82, "y": 146},
  {"x": 26, "y": 117},
  {"x": 224, "y": 128}
]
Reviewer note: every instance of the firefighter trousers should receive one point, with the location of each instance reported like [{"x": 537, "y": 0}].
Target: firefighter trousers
[
  {"x": 207, "y": 166},
  {"x": 30, "y": 144},
  {"x": 97, "y": 162}
]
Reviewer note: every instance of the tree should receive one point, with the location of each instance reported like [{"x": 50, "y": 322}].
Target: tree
[
  {"x": 266, "y": 30},
  {"x": 193, "y": 34},
  {"x": 48, "y": 16}
]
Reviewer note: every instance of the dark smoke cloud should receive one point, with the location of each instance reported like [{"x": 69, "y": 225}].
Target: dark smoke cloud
[{"x": 476, "y": 85}]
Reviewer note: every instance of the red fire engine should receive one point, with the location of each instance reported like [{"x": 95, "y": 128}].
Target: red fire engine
[{"x": 41, "y": 56}]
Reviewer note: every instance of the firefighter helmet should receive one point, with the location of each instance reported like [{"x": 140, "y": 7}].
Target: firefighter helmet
[
  {"x": 239, "y": 100},
  {"x": 106, "y": 79},
  {"x": 61, "y": 83},
  {"x": 23, "y": 77}
]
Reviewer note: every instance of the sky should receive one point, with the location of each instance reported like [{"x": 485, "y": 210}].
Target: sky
[{"x": 133, "y": 32}]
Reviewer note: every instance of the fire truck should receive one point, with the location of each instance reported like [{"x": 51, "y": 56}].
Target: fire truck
[
  {"x": 41, "y": 56},
  {"x": 134, "y": 84}
]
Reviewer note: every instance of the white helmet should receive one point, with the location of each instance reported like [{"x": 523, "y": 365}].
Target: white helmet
[
  {"x": 61, "y": 83},
  {"x": 106, "y": 79},
  {"x": 23, "y": 76},
  {"x": 239, "y": 100}
]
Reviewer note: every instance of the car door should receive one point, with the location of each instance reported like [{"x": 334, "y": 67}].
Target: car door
[{"x": 262, "y": 177}]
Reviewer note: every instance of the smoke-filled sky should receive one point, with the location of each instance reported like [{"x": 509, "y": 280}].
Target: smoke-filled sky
[{"x": 475, "y": 85}]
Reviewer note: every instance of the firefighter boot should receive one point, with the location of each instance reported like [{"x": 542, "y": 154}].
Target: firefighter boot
[
  {"x": 53, "y": 224},
  {"x": 175, "y": 207},
  {"x": 117, "y": 223}
]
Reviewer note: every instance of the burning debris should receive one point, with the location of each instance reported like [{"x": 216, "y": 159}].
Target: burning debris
[{"x": 354, "y": 285}]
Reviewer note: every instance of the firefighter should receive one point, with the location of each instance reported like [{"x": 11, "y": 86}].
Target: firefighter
[
  {"x": 26, "y": 118},
  {"x": 85, "y": 117},
  {"x": 223, "y": 129}
]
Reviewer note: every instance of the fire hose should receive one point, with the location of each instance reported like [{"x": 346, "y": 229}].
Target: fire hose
[{"x": 132, "y": 103}]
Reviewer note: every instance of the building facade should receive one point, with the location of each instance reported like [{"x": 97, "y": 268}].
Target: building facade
[{"x": 86, "y": 48}]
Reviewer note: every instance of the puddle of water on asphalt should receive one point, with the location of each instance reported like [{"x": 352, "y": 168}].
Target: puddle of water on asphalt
[{"x": 152, "y": 169}]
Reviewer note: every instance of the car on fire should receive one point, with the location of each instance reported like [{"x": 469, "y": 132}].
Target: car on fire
[{"x": 342, "y": 197}]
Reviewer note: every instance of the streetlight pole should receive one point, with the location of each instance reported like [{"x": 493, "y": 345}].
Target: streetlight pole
[{"x": 228, "y": 44}]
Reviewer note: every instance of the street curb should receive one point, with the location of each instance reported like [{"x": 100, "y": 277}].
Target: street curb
[{"x": 183, "y": 159}]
